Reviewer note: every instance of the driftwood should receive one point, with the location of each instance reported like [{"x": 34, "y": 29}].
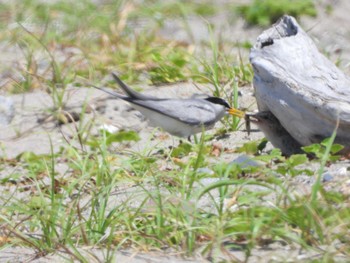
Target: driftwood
[{"x": 296, "y": 83}]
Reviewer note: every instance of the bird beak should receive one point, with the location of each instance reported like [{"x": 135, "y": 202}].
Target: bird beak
[
  {"x": 252, "y": 117},
  {"x": 235, "y": 112},
  {"x": 249, "y": 117}
]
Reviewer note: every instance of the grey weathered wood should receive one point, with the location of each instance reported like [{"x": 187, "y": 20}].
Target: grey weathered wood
[{"x": 305, "y": 91}]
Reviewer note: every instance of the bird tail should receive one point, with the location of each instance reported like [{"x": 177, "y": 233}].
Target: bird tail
[
  {"x": 114, "y": 94},
  {"x": 132, "y": 94}
]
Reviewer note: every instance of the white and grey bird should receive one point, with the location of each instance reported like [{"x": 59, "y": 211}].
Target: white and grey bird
[
  {"x": 274, "y": 132},
  {"x": 179, "y": 117}
]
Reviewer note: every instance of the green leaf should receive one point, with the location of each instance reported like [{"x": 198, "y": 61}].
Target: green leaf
[
  {"x": 297, "y": 159},
  {"x": 228, "y": 182},
  {"x": 262, "y": 144},
  {"x": 27, "y": 156},
  {"x": 122, "y": 136},
  {"x": 249, "y": 148},
  {"x": 336, "y": 148},
  {"x": 182, "y": 150},
  {"x": 319, "y": 149},
  {"x": 275, "y": 154},
  {"x": 313, "y": 148}
]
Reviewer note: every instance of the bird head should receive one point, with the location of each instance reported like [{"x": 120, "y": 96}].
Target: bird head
[
  {"x": 229, "y": 110},
  {"x": 261, "y": 117}
]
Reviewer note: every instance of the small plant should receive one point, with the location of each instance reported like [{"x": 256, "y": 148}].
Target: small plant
[
  {"x": 121, "y": 136},
  {"x": 165, "y": 9},
  {"x": 266, "y": 12},
  {"x": 98, "y": 192},
  {"x": 254, "y": 147},
  {"x": 319, "y": 149},
  {"x": 169, "y": 68},
  {"x": 29, "y": 72},
  {"x": 290, "y": 165}
]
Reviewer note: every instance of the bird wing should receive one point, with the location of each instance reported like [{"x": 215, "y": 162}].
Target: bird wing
[{"x": 190, "y": 111}]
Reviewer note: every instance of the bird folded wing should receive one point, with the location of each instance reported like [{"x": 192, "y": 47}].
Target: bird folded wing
[{"x": 194, "y": 112}]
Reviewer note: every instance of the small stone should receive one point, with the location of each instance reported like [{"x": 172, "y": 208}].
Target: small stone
[
  {"x": 208, "y": 181},
  {"x": 343, "y": 171},
  {"x": 205, "y": 170},
  {"x": 245, "y": 161},
  {"x": 109, "y": 128},
  {"x": 7, "y": 110},
  {"x": 326, "y": 177}
]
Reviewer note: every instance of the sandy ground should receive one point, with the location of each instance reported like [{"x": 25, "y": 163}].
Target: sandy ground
[{"x": 33, "y": 130}]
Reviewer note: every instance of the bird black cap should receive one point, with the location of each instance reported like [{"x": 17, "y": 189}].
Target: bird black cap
[{"x": 219, "y": 101}]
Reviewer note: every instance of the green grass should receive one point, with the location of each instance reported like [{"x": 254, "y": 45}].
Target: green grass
[
  {"x": 164, "y": 209},
  {"x": 104, "y": 38},
  {"x": 266, "y": 12},
  {"x": 111, "y": 198}
]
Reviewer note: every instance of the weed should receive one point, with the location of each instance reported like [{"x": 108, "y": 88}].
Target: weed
[
  {"x": 266, "y": 12},
  {"x": 319, "y": 149},
  {"x": 109, "y": 197}
]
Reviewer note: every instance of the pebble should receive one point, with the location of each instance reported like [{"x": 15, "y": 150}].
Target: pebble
[
  {"x": 7, "y": 110},
  {"x": 109, "y": 128},
  {"x": 208, "y": 181},
  {"x": 245, "y": 161},
  {"x": 205, "y": 170},
  {"x": 326, "y": 177}
]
